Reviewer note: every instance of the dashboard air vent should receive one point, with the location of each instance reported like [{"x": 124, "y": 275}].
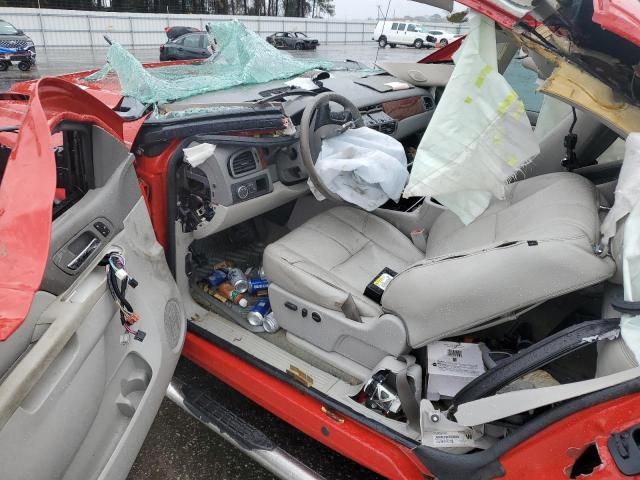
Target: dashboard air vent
[
  {"x": 243, "y": 163},
  {"x": 428, "y": 103},
  {"x": 388, "y": 128}
]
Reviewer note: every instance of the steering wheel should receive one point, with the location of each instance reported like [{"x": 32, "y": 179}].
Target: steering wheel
[{"x": 317, "y": 124}]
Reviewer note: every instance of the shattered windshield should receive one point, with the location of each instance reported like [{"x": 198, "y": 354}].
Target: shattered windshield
[{"x": 241, "y": 58}]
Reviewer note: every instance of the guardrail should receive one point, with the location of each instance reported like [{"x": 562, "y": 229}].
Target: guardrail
[{"x": 76, "y": 28}]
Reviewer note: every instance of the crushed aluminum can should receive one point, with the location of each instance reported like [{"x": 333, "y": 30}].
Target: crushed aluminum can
[
  {"x": 261, "y": 273},
  {"x": 256, "y": 316},
  {"x": 270, "y": 324},
  {"x": 238, "y": 279},
  {"x": 217, "y": 278},
  {"x": 257, "y": 284}
]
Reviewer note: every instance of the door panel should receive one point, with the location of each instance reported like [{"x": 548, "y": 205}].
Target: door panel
[
  {"x": 112, "y": 199},
  {"x": 78, "y": 402}
]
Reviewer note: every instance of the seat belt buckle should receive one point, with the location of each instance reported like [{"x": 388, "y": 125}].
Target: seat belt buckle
[
  {"x": 378, "y": 285},
  {"x": 419, "y": 239}
]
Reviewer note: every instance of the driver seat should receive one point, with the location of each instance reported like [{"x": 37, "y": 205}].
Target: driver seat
[{"x": 535, "y": 244}]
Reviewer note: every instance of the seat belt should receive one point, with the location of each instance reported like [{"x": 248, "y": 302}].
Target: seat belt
[
  {"x": 536, "y": 356},
  {"x": 407, "y": 394},
  {"x": 494, "y": 408}
]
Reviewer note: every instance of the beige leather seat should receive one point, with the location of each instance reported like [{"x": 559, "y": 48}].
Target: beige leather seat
[{"x": 534, "y": 245}]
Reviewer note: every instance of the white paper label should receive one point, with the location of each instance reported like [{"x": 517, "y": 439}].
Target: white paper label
[
  {"x": 455, "y": 359},
  {"x": 452, "y": 439}
]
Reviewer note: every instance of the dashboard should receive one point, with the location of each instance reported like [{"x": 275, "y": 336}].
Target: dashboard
[
  {"x": 238, "y": 174},
  {"x": 259, "y": 170}
]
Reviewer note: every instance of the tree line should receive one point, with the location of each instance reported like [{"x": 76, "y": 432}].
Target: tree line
[{"x": 286, "y": 8}]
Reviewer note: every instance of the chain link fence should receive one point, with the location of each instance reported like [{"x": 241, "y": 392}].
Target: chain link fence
[{"x": 75, "y": 28}]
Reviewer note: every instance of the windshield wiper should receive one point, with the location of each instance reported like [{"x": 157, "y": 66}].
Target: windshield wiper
[
  {"x": 11, "y": 129},
  {"x": 288, "y": 93}
]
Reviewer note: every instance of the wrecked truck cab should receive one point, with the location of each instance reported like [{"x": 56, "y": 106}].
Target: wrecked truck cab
[{"x": 451, "y": 346}]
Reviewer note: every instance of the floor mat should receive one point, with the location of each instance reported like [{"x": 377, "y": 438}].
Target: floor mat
[
  {"x": 244, "y": 246},
  {"x": 246, "y": 255}
]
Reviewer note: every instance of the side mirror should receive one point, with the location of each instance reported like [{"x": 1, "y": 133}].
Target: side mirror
[{"x": 20, "y": 32}]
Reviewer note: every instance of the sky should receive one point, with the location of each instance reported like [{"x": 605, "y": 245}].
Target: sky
[{"x": 362, "y": 9}]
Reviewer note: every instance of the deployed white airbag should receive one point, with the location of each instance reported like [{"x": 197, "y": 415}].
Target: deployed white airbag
[
  {"x": 363, "y": 166},
  {"x": 627, "y": 193},
  {"x": 627, "y": 204},
  {"x": 630, "y": 324},
  {"x": 479, "y": 135}
]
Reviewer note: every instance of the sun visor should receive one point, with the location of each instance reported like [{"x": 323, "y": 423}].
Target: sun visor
[
  {"x": 479, "y": 136},
  {"x": 420, "y": 74}
]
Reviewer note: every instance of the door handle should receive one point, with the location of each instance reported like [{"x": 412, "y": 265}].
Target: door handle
[{"x": 84, "y": 254}]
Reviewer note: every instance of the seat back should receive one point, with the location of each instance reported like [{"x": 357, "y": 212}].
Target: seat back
[{"x": 534, "y": 245}]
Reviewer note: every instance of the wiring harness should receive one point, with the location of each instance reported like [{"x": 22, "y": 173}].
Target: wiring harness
[{"x": 117, "y": 280}]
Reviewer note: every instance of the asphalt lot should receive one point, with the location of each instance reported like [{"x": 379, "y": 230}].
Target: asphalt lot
[
  {"x": 177, "y": 446},
  {"x": 180, "y": 448}
]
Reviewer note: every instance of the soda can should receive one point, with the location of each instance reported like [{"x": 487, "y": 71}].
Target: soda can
[
  {"x": 256, "y": 316},
  {"x": 261, "y": 273},
  {"x": 270, "y": 324},
  {"x": 217, "y": 277},
  {"x": 257, "y": 284},
  {"x": 238, "y": 279}
]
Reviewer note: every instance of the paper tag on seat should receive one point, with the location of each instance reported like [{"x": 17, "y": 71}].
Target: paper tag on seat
[{"x": 451, "y": 365}]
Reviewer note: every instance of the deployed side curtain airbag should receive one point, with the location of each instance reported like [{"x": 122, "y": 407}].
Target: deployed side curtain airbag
[
  {"x": 479, "y": 136},
  {"x": 627, "y": 193},
  {"x": 630, "y": 324}
]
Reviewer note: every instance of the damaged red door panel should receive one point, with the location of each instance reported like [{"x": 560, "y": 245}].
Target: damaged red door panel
[
  {"x": 26, "y": 196},
  {"x": 28, "y": 187}
]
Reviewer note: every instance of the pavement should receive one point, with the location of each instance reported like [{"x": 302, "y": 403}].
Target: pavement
[{"x": 178, "y": 447}]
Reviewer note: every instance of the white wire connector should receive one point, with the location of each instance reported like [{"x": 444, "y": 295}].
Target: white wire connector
[
  {"x": 125, "y": 339},
  {"x": 121, "y": 274}
]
